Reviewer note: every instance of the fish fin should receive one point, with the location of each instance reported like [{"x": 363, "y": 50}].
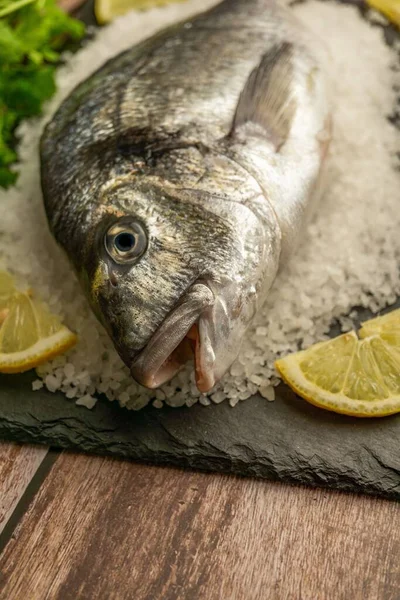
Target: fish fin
[{"x": 266, "y": 100}]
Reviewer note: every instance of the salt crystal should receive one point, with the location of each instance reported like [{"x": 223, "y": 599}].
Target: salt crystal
[
  {"x": 178, "y": 399},
  {"x": 83, "y": 377},
  {"x": 87, "y": 401},
  {"x": 218, "y": 397},
  {"x": 256, "y": 379},
  {"x": 52, "y": 383},
  {"x": 139, "y": 402},
  {"x": 69, "y": 370},
  {"x": 204, "y": 401},
  {"x": 102, "y": 387},
  {"x": 237, "y": 369},
  {"x": 268, "y": 392},
  {"x": 123, "y": 398},
  {"x": 118, "y": 375},
  {"x": 191, "y": 401}
]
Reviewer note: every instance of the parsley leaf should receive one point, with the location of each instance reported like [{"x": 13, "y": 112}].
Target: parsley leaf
[{"x": 33, "y": 33}]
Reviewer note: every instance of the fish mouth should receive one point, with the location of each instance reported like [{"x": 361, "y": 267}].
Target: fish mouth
[{"x": 180, "y": 337}]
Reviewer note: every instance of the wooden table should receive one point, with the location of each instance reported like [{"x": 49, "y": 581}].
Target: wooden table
[{"x": 84, "y": 527}]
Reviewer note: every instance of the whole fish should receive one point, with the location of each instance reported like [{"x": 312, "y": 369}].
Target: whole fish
[{"x": 178, "y": 176}]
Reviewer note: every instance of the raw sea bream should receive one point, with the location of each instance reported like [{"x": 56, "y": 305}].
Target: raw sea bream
[
  {"x": 348, "y": 256},
  {"x": 179, "y": 186}
]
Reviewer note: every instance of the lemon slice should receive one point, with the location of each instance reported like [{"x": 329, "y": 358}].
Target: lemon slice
[
  {"x": 389, "y": 8},
  {"x": 107, "y": 10},
  {"x": 29, "y": 333},
  {"x": 348, "y": 375}
]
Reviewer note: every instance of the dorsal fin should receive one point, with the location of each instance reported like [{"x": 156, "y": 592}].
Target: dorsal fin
[{"x": 267, "y": 99}]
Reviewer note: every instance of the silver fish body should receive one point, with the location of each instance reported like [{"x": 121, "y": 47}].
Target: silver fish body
[{"x": 178, "y": 177}]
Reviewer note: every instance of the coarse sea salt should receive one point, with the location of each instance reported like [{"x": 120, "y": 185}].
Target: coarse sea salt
[
  {"x": 37, "y": 384},
  {"x": 349, "y": 255},
  {"x": 87, "y": 401}
]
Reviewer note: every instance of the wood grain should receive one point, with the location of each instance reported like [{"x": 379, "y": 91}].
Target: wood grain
[
  {"x": 18, "y": 464},
  {"x": 104, "y": 529}
]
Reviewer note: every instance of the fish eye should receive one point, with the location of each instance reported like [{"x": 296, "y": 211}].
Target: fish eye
[{"x": 125, "y": 241}]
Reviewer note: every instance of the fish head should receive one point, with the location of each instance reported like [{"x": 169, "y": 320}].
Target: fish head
[{"x": 175, "y": 275}]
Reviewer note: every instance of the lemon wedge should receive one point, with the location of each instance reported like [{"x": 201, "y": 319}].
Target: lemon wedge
[
  {"x": 348, "y": 375},
  {"x": 389, "y": 8},
  {"x": 108, "y": 10},
  {"x": 29, "y": 333}
]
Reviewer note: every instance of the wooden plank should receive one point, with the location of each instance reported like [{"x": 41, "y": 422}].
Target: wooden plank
[
  {"x": 101, "y": 528},
  {"x": 18, "y": 464}
]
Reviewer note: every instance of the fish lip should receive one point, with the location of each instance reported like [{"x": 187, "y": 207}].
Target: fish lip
[{"x": 164, "y": 355}]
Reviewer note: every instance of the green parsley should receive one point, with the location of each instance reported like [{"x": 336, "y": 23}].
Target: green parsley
[{"x": 33, "y": 33}]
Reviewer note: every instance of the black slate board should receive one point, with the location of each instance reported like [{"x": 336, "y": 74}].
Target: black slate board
[{"x": 286, "y": 440}]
